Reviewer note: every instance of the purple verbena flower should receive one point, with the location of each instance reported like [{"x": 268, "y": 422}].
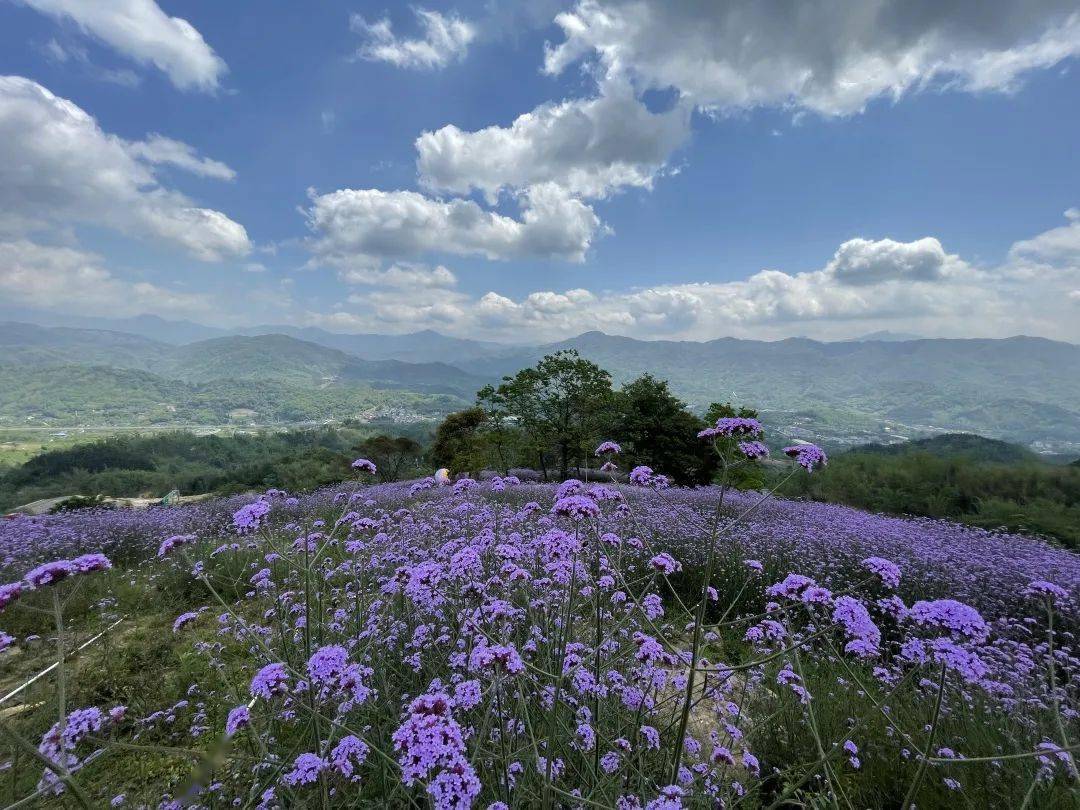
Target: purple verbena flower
[
  {"x": 9, "y": 593},
  {"x": 239, "y": 717},
  {"x": 169, "y": 543},
  {"x": 250, "y": 517},
  {"x": 577, "y": 507},
  {"x": 269, "y": 681},
  {"x": 348, "y": 755},
  {"x": 1040, "y": 588},
  {"x": 305, "y": 771},
  {"x": 753, "y": 449},
  {"x": 363, "y": 465},
  {"x": 50, "y": 573},
  {"x": 808, "y": 456},
  {"x": 887, "y": 571}
]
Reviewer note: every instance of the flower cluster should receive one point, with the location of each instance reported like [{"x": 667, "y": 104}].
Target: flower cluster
[
  {"x": 808, "y": 456},
  {"x": 363, "y": 465},
  {"x": 728, "y": 427}
]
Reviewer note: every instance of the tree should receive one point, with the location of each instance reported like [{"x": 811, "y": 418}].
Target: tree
[
  {"x": 392, "y": 455},
  {"x": 459, "y": 440},
  {"x": 657, "y": 429},
  {"x": 562, "y": 405},
  {"x": 727, "y": 410}
]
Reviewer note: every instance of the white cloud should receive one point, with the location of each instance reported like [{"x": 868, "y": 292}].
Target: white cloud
[
  {"x": 867, "y": 285},
  {"x": 820, "y": 55},
  {"x": 445, "y": 39},
  {"x": 863, "y": 261},
  {"x": 69, "y": 279},
  {"x": 589, "y": 147},
  {"x": 75, "y": 54},
  {"x": 405, "y": 275},
  {"x": 1056, "y": 246},
  {"x": 353, "y": 224},
  {"x": 60, "y": 168},
  {"x": 159, "y": 149},
  {"x": 140, "y": 30}
]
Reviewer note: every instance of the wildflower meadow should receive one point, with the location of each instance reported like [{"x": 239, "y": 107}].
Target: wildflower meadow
[{"x": 493, "y": 643}]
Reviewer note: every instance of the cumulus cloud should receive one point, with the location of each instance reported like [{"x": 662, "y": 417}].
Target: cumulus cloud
[
  {"x": 1056, "y": 246},
  {"x": 589, "y": 147},
  {"x": 60, "y": 168},
  {"x": 374, "y": 224},
  {"x": 864, "y": 261},
  {"x": 868, "y": 284},
  {"x": 823, "y": 56},
  {"x": 141, "y": 31},
  {"x": 70, "y": 279},
  {"x": 445, "y": 39},
  {"x": 828, "y": 57}
]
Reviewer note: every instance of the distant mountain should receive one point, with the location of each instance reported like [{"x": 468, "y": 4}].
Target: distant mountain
[
  {"x": 28, "y": 344},
  {"x": 888, "y": 337},
  {"x": 1022, "y": 388},
  {"x": 281, "y": 358},
  {"x": 426, "y": 346},
  {"x": 956, "y": 445},
  {"x": 265, "y": 358},
  {"x": 152, "y": 327},
  {"x": 849, "y": 392}
]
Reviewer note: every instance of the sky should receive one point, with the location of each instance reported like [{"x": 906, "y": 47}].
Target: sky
[{"x": 527, "y": 171}]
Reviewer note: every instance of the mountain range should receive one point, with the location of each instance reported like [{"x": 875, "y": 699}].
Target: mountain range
[{"x": 872, "y": 389}]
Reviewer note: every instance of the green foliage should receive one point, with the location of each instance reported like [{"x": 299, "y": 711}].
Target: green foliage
[
  {"x": 459, "y": 441},
  {"x": 555, "y": 415},
  {"x": 1032, "y": 497},
  {"x": 561, "y": 404},
  {"x": 395, "y": 457},
  {"x": 966, "y": 445},
  {"x": 655, "y": 428},
  {"x": 125, "y": 466},
  {"x": 77, "y": 502}
]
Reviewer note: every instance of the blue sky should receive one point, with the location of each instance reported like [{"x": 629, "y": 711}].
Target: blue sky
[{"x": 879, "y": 166}]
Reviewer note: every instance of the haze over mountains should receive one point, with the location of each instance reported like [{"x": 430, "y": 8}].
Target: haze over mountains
[{"x": 1022, "y": 389}]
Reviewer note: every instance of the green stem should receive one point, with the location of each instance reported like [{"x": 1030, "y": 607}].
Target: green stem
[
  {"x": 917, "y": 783},
  {"x": 695, "y": 647}
]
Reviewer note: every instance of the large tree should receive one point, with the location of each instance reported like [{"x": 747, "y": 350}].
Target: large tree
[
  {"x": 459, "y": 441},
  {"x": 657, "y": 429},
  {"x": 562, "y": 405},
  {"x": 393, "y": 455}
]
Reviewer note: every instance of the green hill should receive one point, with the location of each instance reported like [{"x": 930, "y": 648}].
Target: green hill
[
  {"x": 27, "y": 344},
  {"x": 298, "y": 362},
  {"x": 62, "y": 396},
  {"x": 130, "y": 465},
  {"x": 956, "y": 445}
]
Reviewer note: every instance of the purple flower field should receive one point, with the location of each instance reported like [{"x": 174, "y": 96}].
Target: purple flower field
[{"x": 498, "y": 644}]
